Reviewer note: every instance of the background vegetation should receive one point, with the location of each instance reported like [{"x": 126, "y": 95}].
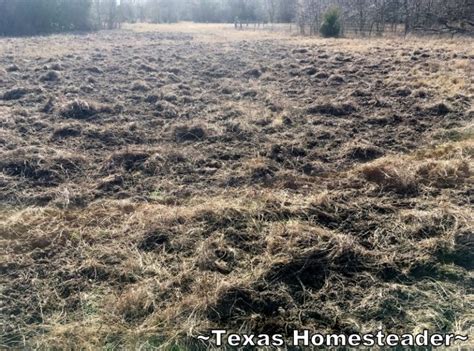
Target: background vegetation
[
  {"x": 331, "y": 26},
  {"x": 26, "y": 17},
  {"x": 363, "y": 17}
]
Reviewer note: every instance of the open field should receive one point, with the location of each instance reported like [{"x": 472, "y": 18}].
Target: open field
[{"x": 160, "y": 181}]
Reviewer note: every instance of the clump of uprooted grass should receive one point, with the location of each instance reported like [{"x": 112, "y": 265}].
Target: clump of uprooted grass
[
  {"x": 66, "y": 131},
  {"x": 456, "y": 134},
  {"x": 50, "y": 76},
  {"x": 391, "y": 176},
  {"x": 362, "y": 152},
  {"x": 129, "y": 160},
  {"x": 41, "y": 166},
  {"x": 333, "y": 109},
  {"x": 81, "y": 109},
  {"x": 140, "y": 86},
  {"x": 15, "y": 93},
  {"x": 448, "y": 166},
  {"x": 185, "y": 133}
]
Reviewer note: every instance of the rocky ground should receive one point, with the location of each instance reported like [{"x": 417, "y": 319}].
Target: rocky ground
[{"x": 157, "y": 184}]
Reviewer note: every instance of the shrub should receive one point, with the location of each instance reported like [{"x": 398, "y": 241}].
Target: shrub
[{"x": 331, "y": 26}]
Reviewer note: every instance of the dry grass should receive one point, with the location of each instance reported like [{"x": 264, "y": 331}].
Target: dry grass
[{"x": 179, "y": 178}]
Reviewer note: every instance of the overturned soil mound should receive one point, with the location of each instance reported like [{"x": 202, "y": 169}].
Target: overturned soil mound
[
  {"x": 332, "y": 109},
  {"x": 81, "y": 109}
]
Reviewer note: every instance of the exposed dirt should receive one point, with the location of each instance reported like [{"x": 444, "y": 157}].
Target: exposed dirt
[{"x": 157, "y": 185}]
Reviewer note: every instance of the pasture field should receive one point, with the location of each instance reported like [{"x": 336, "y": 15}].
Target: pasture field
[{"x": 160, "y": 181}]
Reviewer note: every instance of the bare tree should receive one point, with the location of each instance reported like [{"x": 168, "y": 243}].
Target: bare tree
[
  {"x": 271, "y": 9},
  {"x": 363, "y": 17}
]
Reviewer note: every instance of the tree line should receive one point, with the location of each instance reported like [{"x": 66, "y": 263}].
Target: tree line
[
  {"x": 363, "y": 17},
  {"x": 209, "y": 11},
  {"x": 367, "y": 17},
  {"x": 25, "y": 17}
]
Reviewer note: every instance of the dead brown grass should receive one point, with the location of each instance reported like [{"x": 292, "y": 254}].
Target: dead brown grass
[
  {"x": 189, "y": 177},
  {"x": 445, "y": 166}
]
